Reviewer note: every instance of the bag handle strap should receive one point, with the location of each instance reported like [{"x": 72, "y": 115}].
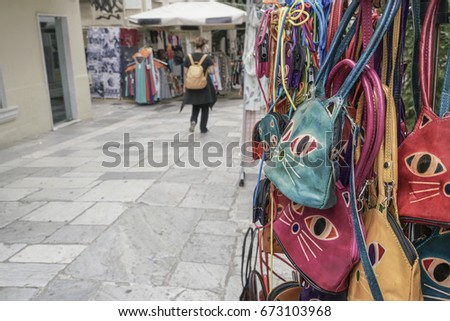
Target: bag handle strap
[
  {"x": 190, "y": 59},
  {"x": 382, "y": 26},
  {"x": 374, "y": 114},
  {"x": 415, "y": 79},
  {"x": 202, "y": 59},
  {"x": 329, "y": 60},
  {"x": 387, "y": 159},
  {"x": 426, "y": 54},
  {"x": 358, "y": 229},
  {"x": 337, "y": 7},
  {"x": 426, "y": 63},
  {"x": 390, "y": 138}
]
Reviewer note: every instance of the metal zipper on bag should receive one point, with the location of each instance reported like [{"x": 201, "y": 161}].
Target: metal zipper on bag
[
  {"x": 407, "y": 247},
  {"x": 410, "y": 219}
]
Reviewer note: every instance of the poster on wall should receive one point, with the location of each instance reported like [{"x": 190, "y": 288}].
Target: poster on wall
[
  {"x": 103, "y": 61},
  {"x": 109, "y": 10}
]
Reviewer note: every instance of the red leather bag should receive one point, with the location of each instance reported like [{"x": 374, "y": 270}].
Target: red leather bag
[{"x": 424, "y": 156}]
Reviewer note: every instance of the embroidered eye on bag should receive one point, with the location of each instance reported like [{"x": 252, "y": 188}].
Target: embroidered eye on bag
[
  {"x": 424, "y": 156},
  {"x": 304, "y": 164},
  {"x": 434, "y": 257}
]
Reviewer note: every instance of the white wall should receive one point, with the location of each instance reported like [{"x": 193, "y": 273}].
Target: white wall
[{"x": 22, "y": 62}]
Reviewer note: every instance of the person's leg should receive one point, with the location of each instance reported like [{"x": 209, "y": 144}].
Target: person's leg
[
  {"x": 194, "y": 116},
  {"x": 204, "y": 118}
]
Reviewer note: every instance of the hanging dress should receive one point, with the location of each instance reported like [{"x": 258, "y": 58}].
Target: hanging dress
[{"x": 141, "y": 81}]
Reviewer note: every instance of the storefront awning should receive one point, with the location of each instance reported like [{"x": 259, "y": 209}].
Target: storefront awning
[{"x": 190, "y": 14}]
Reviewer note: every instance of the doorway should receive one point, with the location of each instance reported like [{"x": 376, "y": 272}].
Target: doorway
[{"x": 54, "y": 44}]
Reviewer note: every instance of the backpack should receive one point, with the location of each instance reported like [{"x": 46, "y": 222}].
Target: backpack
[{"x": 195, "y": 77}]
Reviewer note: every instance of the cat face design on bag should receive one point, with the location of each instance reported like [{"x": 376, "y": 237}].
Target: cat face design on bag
[
  {"x": 424, "y": 179},
  {"x": 312, "y": 232},
  {"x": 427, "y": 171},
  {"x": 318, "y": 241},
  {"x": 269, "y": 135},
  {"x": 435, "y": 266},
  {"x": 294, "y": 151}
]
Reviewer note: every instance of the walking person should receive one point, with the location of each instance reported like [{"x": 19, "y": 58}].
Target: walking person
[{"x": 204, "y": 98}]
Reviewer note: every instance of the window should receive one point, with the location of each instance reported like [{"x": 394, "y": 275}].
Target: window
[{"x": 6, "y": 113}]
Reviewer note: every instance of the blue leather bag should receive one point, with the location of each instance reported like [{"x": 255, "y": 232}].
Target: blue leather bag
[
  {"x": 434, "y": 259},
  {"x": 267, "y": 132}
]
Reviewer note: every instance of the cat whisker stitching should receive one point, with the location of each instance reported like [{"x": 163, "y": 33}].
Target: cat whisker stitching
[
  {"x": 290, "y": 213},
  {"x": 288, "y": 224},
  {"x": 303, "y": 249},
  {"x": 424, "y": 190},
  {"x": 307, "y": 245},
  {"x": 288, "y": 218},
  {"x": 437, "y": 290},
  {"x": 284, "y": 165},
  {"x": 312, "y": 241},
  {"x": 294, "y": 160},
  {"x": 424, "y": 183},
  {"x": 424, "y": 198},
  {"x": 295, "y": 173}
]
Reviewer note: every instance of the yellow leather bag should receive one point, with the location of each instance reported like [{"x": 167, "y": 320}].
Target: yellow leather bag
[{"x": 393, "y": 257}]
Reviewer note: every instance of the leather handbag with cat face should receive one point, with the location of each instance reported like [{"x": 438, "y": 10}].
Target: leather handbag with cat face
[
  {"x": 267, "y": 133},
  {"x": 424, "y": 156},
  {"x": 434, "y": 256},
  {"x": 321, "y": 244},
  {"x": 392, "y": 256},
  {"x": 303, "y": 166}
]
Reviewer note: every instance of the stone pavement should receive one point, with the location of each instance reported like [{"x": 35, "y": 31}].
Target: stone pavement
[{"x": 75, "y": 228}]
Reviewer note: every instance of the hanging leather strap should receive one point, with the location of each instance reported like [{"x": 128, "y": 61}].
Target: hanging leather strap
[
  {"x": 374, "y": 114},
  {"x": 415, "y": 59},
  {"x": 426, "y": 54},
  {"x": 358, "y": 229},
  {"x": 337, "y": 8},
  {"x": 383, "y": 24}
]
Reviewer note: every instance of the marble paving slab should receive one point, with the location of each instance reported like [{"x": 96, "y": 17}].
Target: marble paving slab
[
  {"x": 48, "y": 253},
  {"x": 27, "y": 275},
  {"x": 104, "y": 213},
  {"x": 117, "y": 191},
  {"x": 58, "y": 212},
  {"x": 140, "y": 247}
]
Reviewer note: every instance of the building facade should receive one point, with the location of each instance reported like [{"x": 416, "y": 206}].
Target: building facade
[{"x": 43, "y": 76}]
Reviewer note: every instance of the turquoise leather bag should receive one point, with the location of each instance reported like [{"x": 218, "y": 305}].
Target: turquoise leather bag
[
  {"x": 434, "y": 259},
  {"x": 303, "y": 164},
  {"x": 267, "y": 132}
]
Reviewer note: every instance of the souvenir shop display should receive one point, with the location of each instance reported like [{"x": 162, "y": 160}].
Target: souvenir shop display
[
  {"x": 103, "y": 61},
  {"x": 348, "y": 204}
]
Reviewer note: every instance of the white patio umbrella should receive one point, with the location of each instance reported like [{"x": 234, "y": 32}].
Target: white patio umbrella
[{"x": 190, "y": 14}]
